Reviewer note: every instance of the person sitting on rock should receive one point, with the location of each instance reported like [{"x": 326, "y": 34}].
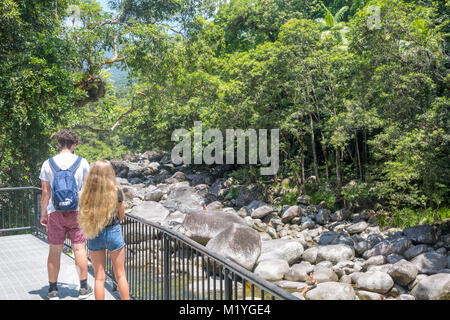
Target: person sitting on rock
[{"x": 312, "y": 285}]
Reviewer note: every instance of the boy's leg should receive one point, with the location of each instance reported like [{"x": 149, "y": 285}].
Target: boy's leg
[
  {"x": 53, "y": 261},
  {"x": 81, "y": 261}
]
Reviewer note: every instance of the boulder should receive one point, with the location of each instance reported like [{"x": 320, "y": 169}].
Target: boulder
[
  {"x": 434, "y": 287},
  {"x": 290, "y": 214},
  {"x": 322, "y": 216},
  {"x": 238, "y": 243},
  {"x": 120, "y": 167},
  {"x": 174, "y": 219},
  {"x": 323, "y": 274},
  {"x": 331, "y": 291},
  {"x": 248, "y": 194},
  {"x": 335, "y": 253},
  {"x": 357, "y": 227},
  {"x": 367, "y": 295},
  {"x": 333, "y": 237},
  {"x": 394, "y": 258},
  {"x": 403, "y": 272},
  {"x": 261, "y": 212},
  {"x": 375, "y": 281},
  {"x": 272, "y": 269},
  {"x": 184, "y": 198},
  {"x": 421, "y": 234},
  {"x": 374, "y": 261},
  {"x": 150, "y": 211},
  {"x": 215, "y": 205},
  {"x": 406, "y": 297},
  {"x": 310, "y": 254},
  {"x": 430, "y": 262},
  {"x": 414, "y": 251},
  {"x": 299, "y": 271},
  {"x": 203, "y": 225},
  {"x": 340, "y": 215},
  {"x": 290, "y": 285},
  {"x": 388, "y": 246},
  {"x": 307, "y": 223},
  {"x": 284, "y": 249}
]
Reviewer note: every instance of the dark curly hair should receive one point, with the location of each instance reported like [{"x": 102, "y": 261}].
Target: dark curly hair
[{"x": 66, "y": 138}]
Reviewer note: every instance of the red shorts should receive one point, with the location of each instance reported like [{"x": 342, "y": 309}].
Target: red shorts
[{"x": 62, "y": 222}]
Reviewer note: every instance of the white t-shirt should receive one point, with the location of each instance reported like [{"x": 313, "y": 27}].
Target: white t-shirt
[{"x": 64, "y": 161}]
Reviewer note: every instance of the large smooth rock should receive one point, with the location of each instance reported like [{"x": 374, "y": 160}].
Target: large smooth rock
[
  {"x": 299, "y": 271},
  {"x": 375, "y": 281},
  {"x": 248, "y": 194},
  {"x": 290, "y": 214},
  {"x": 120, "y": 167},
  {"x": 388, "y": 246},
  {"x": 333, "y": 237},
  {"x": 238, "y": 243},
  {"x": 414, "y": 251},
  {"x": 151, "y": 211},
  {"x": 184, "y": 198},
  {"x": 261, "y": 212},
  {"x": 421, "y": 234},
  {"x": 285, "y": 249},
  {"x": 434, "y": 287},
  {"x": 367, "y": 295},
  {"x": 324, "y": 274},
  {"x": 374, "y": 261},
  {"x": 310, "y": 254},
  {"x": 335, "y": 253},
  {"x": 272, "y": 270},
  {"x": 357, "y": 227},
  {"x": 322, "y": 216},
  {"x": 430, "y": 262},
  {"x": 403, "y": 272},
  {"x": 203, "y": 225},
  {"x": 331, "y": 291},
  {"x": 340, "y": 215}
]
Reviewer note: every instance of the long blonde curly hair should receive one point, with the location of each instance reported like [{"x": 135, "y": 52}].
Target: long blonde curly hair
[{"x": 98, "y": 201}]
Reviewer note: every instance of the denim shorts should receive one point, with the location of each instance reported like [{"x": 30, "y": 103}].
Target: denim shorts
[{"x": 110, "y": 238}]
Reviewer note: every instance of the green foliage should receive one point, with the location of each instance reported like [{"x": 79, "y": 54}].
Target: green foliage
[
  {"x": 233, "y": 193},
  {"x": 407, "y": 217},
  {"x": 290, "y": 198},
  {"x": 317, "y": 194}
]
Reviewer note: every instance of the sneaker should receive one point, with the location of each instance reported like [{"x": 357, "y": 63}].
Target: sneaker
[
  {"x": 85, "y": 293},
  {"x": 53, "y": 295}
]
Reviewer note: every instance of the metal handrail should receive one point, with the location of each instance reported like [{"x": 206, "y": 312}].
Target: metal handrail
[
  {"x": 227, "y": 266},
  {"x": 233, "y": 266}
]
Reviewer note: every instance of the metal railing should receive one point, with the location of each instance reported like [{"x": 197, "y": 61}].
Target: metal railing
[{"x": 160, "y": 263}]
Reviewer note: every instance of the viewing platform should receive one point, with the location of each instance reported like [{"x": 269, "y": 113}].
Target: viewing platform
[{"x": 23, "y": 271}]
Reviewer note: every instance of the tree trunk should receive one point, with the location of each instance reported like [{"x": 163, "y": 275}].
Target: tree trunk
[
  {"x": 365, "y": 155},
  {"x": 324, "y": 151},
  {"x": 357, "y": 155},
  {"x": 338, "y": 171},
  {"x": 316, "y": 170}
]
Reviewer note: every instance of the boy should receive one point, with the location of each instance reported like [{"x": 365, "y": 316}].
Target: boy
[{"x": 61, "y": 222}]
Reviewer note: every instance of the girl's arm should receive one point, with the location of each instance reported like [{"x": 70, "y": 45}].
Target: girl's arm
[{"x": 121, "y": 211}]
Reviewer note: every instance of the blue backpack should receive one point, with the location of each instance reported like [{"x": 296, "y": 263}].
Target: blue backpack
[{"x": 65, "y": 189}]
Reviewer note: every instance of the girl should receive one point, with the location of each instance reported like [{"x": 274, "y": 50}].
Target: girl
[{"x": 101, "y": 210}]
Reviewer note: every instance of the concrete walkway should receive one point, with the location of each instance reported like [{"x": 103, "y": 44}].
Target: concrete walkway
[{"x": 23, "y": 271}]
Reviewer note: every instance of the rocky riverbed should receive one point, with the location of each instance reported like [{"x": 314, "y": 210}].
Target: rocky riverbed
[{"x": 351, "y": 258}]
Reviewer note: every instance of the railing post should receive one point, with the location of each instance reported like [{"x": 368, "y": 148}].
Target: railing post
[
  {"x": 166, "y": 285},
  {"x": 228, "y": 286},
  {"x": 36, "y": 211}
]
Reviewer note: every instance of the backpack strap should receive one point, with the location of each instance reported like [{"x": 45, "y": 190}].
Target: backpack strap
[
  {"x": 76, "y": 164},
  {"x": 53, "y": 165}
]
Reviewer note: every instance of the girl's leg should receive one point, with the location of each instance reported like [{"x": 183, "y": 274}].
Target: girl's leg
[
  {"x": 98, "y": 259},
  {"x": 118, "y": 261}
]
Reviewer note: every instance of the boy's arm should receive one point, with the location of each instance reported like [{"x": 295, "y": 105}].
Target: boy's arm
[{"x": 44, "y": 201}]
